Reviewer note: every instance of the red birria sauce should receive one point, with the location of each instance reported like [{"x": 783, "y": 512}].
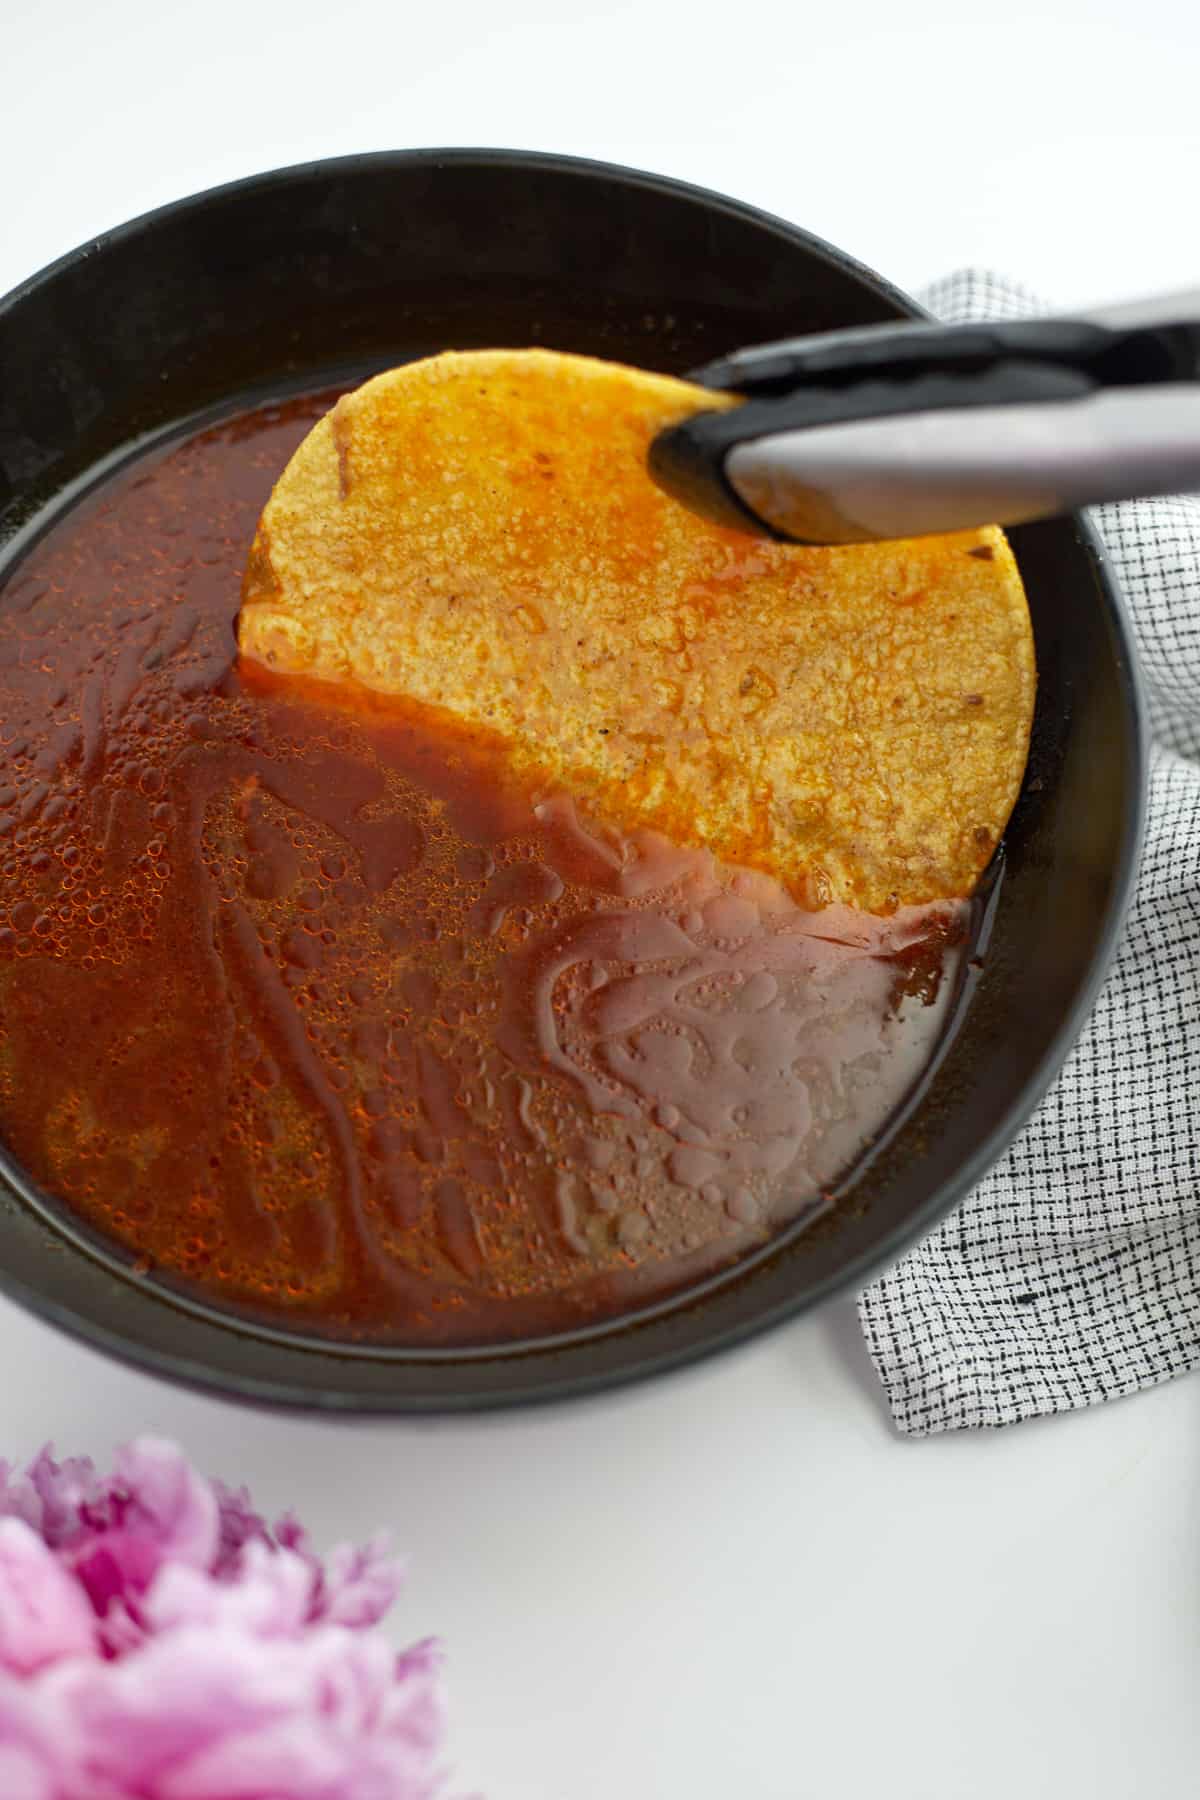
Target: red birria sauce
[{"x": 317, "y": 1013}]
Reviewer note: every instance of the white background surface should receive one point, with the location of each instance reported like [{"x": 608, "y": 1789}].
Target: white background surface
[{"x": 738, "y": 1582}]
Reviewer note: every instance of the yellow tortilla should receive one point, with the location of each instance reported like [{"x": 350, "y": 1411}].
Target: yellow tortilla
[{"x": 478, "y": 532}]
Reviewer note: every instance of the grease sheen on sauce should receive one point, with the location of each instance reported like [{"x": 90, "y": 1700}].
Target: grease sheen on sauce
[{"x": 311, "y": 1010}]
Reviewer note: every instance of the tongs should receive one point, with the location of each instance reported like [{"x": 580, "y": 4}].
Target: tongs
[{"x": 899, "y": 430}]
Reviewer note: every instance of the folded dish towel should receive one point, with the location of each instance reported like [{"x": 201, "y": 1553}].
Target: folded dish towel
[{"x": 1072, "y": 1273}]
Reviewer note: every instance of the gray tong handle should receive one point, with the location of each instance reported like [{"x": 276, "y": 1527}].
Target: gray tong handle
[
  {"x": 954, "y": 466},
  {"x": 1160, "y": 309},
  {"x": 947, "y": 470}
]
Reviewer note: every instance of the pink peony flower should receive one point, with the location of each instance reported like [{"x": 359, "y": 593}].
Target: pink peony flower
[{"x": 158, "y": 1641}]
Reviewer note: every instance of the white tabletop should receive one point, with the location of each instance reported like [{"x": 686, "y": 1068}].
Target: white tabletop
[{"x": 738, "y": 1581}]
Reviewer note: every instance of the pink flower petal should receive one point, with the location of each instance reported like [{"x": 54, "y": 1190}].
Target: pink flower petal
[
  {"x": 35, "y": 1744},
  {"x": 239, "y": 1525},
  {"x": 150, "y": 1711},
  {"x": 416, "y": 1705},
  {"x": 271, "y": 1596},
  {"x": 360, "y": 1584},
  {"x": 300, "y": 1758},
  {"x": 170, "y": 1502},
  {"x": 24, "y": 1776},
  {"x": 48, "y": 1495},
  {"x": 44, "y": 1615},
  {"x": 155, "y": 1509}
]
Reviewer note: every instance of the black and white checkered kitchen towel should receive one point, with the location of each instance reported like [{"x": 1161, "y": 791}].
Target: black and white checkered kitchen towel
[{"x": 1072, "y": 1273}]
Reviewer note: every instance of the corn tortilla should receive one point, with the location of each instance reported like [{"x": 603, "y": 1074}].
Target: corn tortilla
[{"x": 478, "y": 532}]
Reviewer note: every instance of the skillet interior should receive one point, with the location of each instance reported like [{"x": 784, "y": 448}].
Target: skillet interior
[{"x": 290, "y": 280}]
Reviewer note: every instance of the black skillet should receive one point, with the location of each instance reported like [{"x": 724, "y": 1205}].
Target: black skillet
[{"x": 298, "y": 278}]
